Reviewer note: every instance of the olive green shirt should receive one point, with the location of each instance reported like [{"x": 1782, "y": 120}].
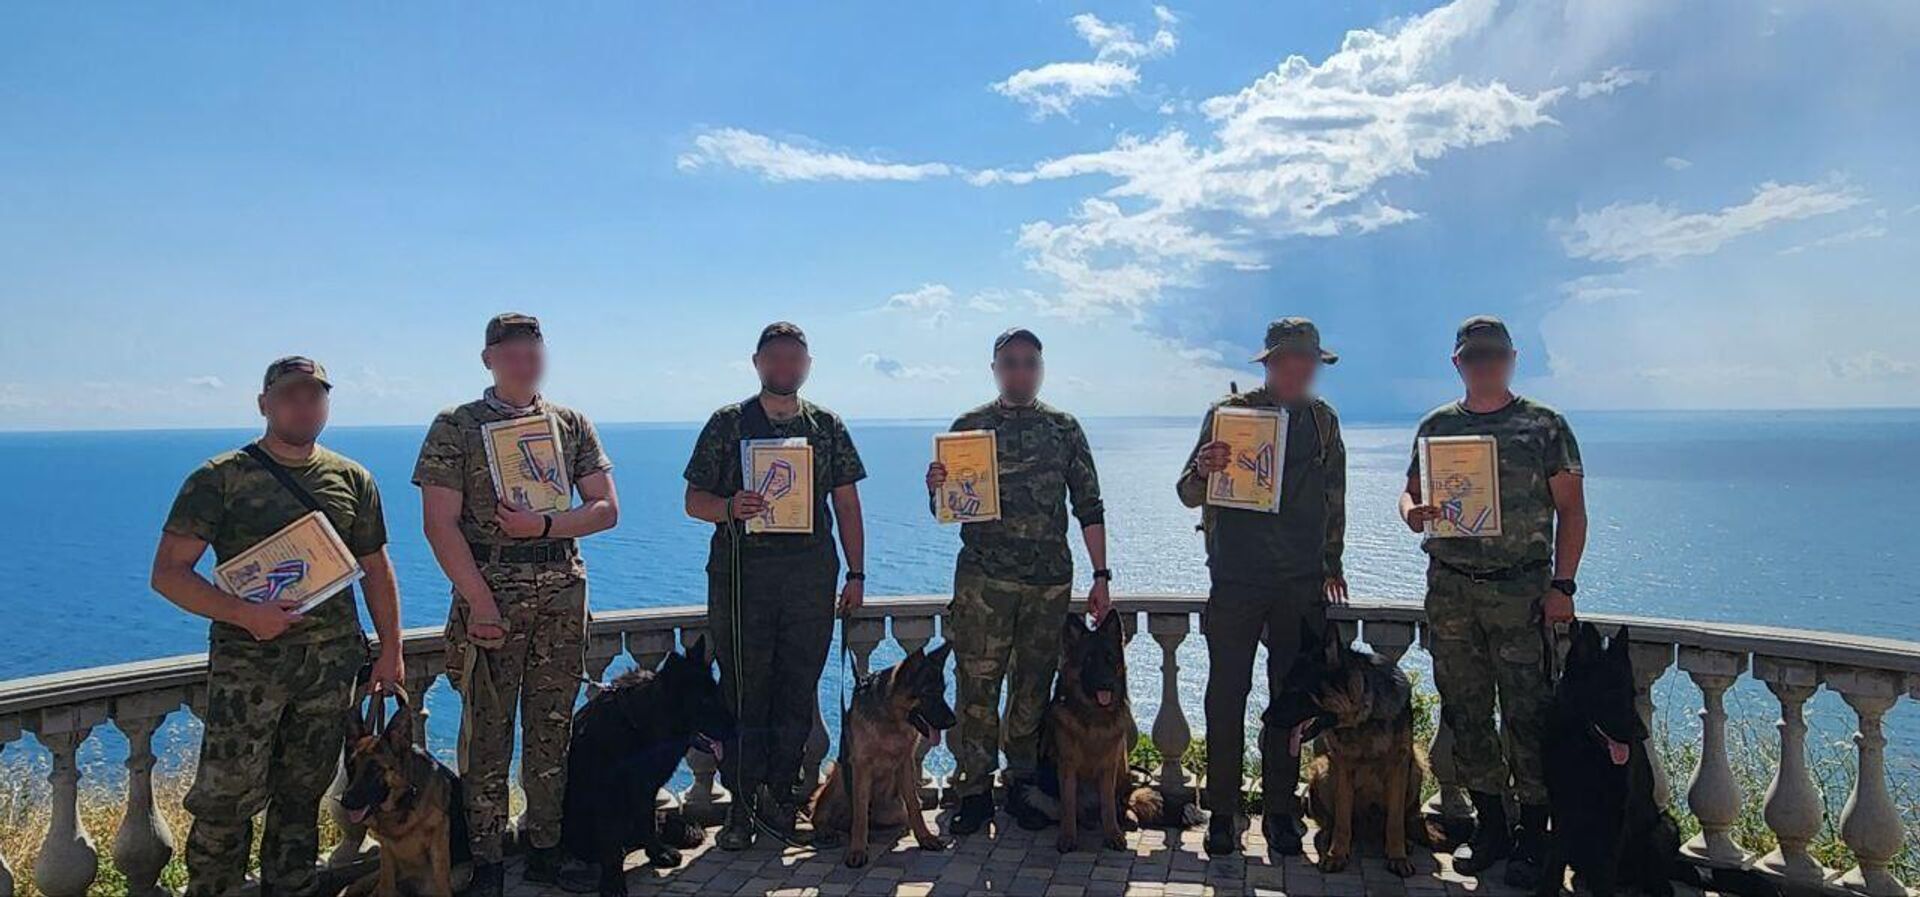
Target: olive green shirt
[
  {"x": 1306, "y": 537},
  {"x": 1534, "y": 444},
  {"x": 1043, "y": 460},
  {"x": 454, "y": 456},
  {"x": 232, "y": 504}
]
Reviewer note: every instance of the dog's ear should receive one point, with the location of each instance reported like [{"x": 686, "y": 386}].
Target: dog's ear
[
  {"x": 1110, "y": 625},
  {"x": 357, "y": 726},
  {"x": 1617, "y": 649},
  {"x": 938, "y": 659},
  {"x": 1333, "y": 644},
  {"x": 399, "y": 733},
  {"x": 1072, "y": 629},
  {"x": 914, "y": 660},
  {"x": 698, "y": 652},
  {"x": 1586, "y": 644}
]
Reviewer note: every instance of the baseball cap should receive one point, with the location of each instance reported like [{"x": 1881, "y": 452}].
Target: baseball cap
[
  {"x": 1483, "y": 332},
  {"x": 507, "y": 325},
  {"x": 1295, "y": 335},
  {"x": 294, "y": 369},
  {"x": 1016, "y": 333},
  {"x": 780, "y": 330}
]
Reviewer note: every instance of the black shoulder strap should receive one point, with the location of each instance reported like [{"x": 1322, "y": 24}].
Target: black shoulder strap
[{"x": 286, "y": 479}]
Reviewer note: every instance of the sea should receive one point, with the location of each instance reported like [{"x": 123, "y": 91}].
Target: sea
[{"x": 1784, "y": 518}]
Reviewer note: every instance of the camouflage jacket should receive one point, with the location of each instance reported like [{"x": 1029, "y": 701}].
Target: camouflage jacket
[
  {"x": 454, "y": 456},
  {"x": 1534, "y": 444},
  {"x": 232, "y": 503},
  {"x": 1307, "y": 537},
  {"x": 715, "y": 467},
  {"x": 1043, "y": 461}
]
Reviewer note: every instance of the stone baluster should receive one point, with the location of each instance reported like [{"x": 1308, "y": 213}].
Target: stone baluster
[
  {"x": 1389, "y": 639},
  {"x": 862, "y": 636},
  {"x": 1650, "y": 661},
  {"x": 1449, "y": 802},
  {"x": 603, "y": 647},
  {"x": 913, "y": 634},
  {"x": 705, "y": 799},
  {"x": 1870, "y": 825},
  {"x": 421, "y": 673},
  {"x": 1794, "y": 804},
  {"x": 68, "y": 861},
  {"x": 9, "y": 733},
  {"x": 143, "y": 844},
  {"x": 1171, "y": 734},
  {"x": 1714, "y": 795}
]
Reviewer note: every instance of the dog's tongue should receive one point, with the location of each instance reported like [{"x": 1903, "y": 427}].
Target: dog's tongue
[
  {"x": 1104, "y": 697},
  {"x": 1617, "y": 751},
  {"x": 1293, "y": 738},
  {"x": 359, "y": 815}
]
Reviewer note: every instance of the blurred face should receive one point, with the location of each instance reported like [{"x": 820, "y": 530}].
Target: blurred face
[
  {"x": 1018, "y": 370},
  {"x": 1290, "y": 375},
  {"x": 1485, "y": 370},
  {"x": 517, "y": 364},
  {"x": 782, "y": 365},
  {"x": 295, "y": 412}
]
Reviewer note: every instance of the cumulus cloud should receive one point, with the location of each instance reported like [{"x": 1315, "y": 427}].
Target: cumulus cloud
[
  {"x": 207, "y": 382},
  {"x": 1676, "y": 163},
  {"x": 1609, "y": 81},
  {"x": 931, "y": 302},
  {"x": 1625, "y": 232},
  {"x": 1872, "y": 365},
  {"x": 1056, "y": 87},
  {"x": 895, "y": 369},
  {"x": 776, "y": 160}
]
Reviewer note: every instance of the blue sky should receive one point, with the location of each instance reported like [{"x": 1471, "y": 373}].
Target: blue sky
[{"x": 1705, "y": 204}]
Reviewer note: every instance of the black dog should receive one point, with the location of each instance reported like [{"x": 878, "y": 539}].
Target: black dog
[
  {"x": 1606, "y": 824},
  {"x": 627, "y": 742}
]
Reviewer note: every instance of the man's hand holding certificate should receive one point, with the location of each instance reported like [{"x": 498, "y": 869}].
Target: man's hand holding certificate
[
  {"x": 967, "y": 489},
  {"x": 1243, "y": 462},
  {"x": 1459, "y": 487},
  {"x": 528, "y": 464},
  {"x": 296, "y": 568}
]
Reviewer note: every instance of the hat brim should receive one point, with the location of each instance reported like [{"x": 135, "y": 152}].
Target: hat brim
[
  {"x": 1326, "y": 357},
  {"x": 291, "y": 379},
  {"x": 1482, "y": 345}
]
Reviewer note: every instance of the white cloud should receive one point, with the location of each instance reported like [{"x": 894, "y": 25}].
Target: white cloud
[
  {"x": 931, "y": 302},
  {"x": 895, "y": 369},
  {"x": 777, "y": 160},
  {"x": 1596, "y": 288},
  {"x": 1609, "y": 81},
  {"x": 1625, "y": 232},
  {"x": 18, "y": 397},
  {"x": 1056, "y": 87},
  {"x": 1871, "y": 365},
  {"x": 208, "y": 381},
  {"x": 1864, "y": 232},
  {"x": 1676, "y": 163}
]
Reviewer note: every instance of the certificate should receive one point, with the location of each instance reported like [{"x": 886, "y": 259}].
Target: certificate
[
  {"x": 1461, "y": 476},
  {"x": 305, "y": 561},
  {"x": 781, "y": 470},
  {"x": 528, "y": 466},
  {"x": 971, "y": 493},
  {"x": 1256, "y": 441}
]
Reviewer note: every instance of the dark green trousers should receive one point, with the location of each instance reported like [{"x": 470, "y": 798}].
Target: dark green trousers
[
  {"x": 1239, "y": 617},
  {"x": 771, "y": 677}
]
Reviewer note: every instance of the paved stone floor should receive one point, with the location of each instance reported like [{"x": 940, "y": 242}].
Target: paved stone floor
[{"x": 1025, "y": 864}]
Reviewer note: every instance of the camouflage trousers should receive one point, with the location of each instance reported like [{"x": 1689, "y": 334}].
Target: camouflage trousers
[
  {"x": 1239, "y": 617},
  {"x": 1486, "y": 650},
  {"x": 770, "y": 679},
  {"x": 275, "y": 725},
  {"x": 538, "y": 673},
  {"x": 1001, "y": 630}
]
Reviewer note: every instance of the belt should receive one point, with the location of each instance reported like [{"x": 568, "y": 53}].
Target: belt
[
  {"x": 524, "y": 552},
  {"x": 1503, "y": 574}
]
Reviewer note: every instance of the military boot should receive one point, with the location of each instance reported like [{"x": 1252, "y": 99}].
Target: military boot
[
  {"x": 1223, "y": 835},
  {"x": 543, "y": 865},
  {"x": 1529, "y": 847},
  {"x": 976, "y": 810},
  {"x": 737, "y": 833},
  {"x": 489, "y": 880},
  {"x": 1492, "y": 840},
  {"x": 1020, "y": 807}
]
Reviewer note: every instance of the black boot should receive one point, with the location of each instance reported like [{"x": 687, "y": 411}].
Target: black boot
[
  {"x": 1529, "y": 847},
  {"x": 1020, "y": 806},
  {"x": 976, "y": 810},
  {"x": 737, "y": 833},
  {"x": 543, "y": 865},
  {"x": 489, "y": 879},
  {"x": 1492, "y": 839},
  {"x": 1223, "y": 837},
  {"x": 1283, "y": 833}
]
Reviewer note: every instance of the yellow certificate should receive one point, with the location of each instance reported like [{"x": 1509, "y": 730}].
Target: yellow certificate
[
  {"x": 1461, "y": 476},
  {"x": 781, "y": 470},
  {"x": 305, "y": 561},
  {"x": 1256, "y": 441},
  {"x": 971, "y": 493},
  {"x": 529, "y": 468}
]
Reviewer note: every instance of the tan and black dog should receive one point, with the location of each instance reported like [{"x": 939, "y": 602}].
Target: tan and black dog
[
  {"x": 876, "y": 781},
  {"x": 1357, "y": 709},
  {"x": 409, "y": 801}
]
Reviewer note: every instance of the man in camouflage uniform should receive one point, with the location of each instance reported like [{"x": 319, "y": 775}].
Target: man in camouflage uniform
[
  {"x": 770, "y": 596},
  {"x": 1013, "y": 579},
  {"x": 279, "y": 682},
  {"x": 1488, "y": 598},
  {"x": 1271, "y": 573},
  {"x": 516, "y": 632}
]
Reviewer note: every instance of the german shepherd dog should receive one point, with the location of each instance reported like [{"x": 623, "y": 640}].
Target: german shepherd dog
[
  {"x": 1357, "y": 708},
  {"x": 411, "y": 802},
  {"x": 1084, "y": 740},
  {"x": 627, "y": 741},
  {"x": 876, "y": 781}
]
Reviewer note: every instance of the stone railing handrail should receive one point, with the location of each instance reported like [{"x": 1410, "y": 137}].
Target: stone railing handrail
[{"x": 1870, "y": 674}]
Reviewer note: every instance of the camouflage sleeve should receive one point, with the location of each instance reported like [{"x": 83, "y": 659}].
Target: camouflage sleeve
[
  {"x": 1336, "y": 475},
  {"x": 1563, "y": 451},
  {"x": 369, "y": 532},
  {"x": 844, "y": 468},
  {"x": 712, "y": 459},
  {"x": 589, "y": 457},
  {"x": 1192, "y": 487},
  {"x": 1413, "y": 458},
  {"x": 1083, "y": 482},
  {"x": 199, "y": 508},
  {"x": 443, "y": 455}
]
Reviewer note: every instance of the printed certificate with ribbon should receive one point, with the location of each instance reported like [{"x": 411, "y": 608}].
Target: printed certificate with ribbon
[
  {"x": 1256, "y": 441},
  {"x": 971, "y": 493},
  {"x": 528, "y": 464},
  {"x": 1461, "y": 476},
  {"x": 305, "y": 561},
  {"x": 781, "y": 470}
]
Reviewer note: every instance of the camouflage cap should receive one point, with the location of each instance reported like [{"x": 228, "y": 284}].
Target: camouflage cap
[
  {"x": 1295, "y": 335},
  {"x": 508, "y": 325},
  {"x": 295, "y": 369},
  {"x": 1016, "y": 333},
  {"x": 780, "y": 330},
  {"x": 1484, "y": 332}
]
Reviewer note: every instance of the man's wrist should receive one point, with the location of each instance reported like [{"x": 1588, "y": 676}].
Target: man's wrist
[{"x": 856, "y": 576}]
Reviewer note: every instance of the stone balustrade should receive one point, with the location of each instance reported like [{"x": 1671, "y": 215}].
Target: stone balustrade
[{"x": 63, "y": 710}]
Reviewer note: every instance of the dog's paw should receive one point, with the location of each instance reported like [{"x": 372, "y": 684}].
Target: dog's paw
[
  {"x": 1400, "y": 866},
  {"x": 1066, "y": 843},
  {"x": 663, "y": 858},
  {"x": 935, "y": 843},
  {"x": 1331, "y": 862},
  {"x": 856, "y": 857},
  {"x": 1114, "y": 841}
]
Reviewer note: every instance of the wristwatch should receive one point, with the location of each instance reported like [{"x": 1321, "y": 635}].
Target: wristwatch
[
  {"x": 1563, "y": 586},
  {"x": 856, "y": 576},
  {"x": 1103, "y": 573}
]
